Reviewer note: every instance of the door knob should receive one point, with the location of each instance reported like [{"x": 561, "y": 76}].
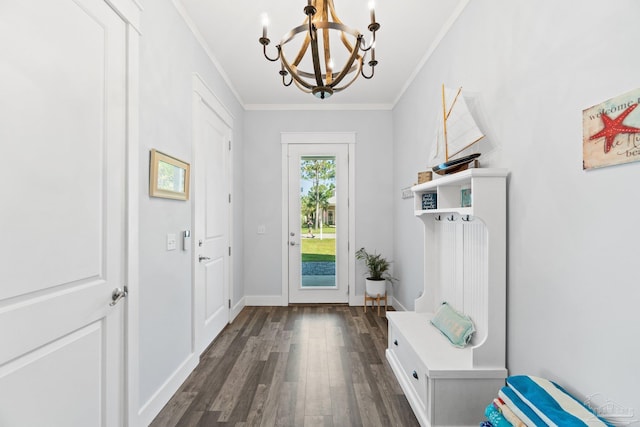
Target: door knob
[
  {"x": 292, "y": 243},
  {"x": 202, "y": 258},
  {"x": 117, "y": 295}
]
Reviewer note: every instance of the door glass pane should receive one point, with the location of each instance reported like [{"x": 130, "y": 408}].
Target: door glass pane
[{"x": 317, "y": 216}]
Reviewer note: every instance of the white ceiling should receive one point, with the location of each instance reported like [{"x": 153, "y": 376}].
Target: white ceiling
[{"x": 410, "y": 30}]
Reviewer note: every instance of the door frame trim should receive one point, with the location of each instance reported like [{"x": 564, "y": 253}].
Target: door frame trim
[
  {"x": 130, "y": 11},
  {"x": 287, "y": 138}
]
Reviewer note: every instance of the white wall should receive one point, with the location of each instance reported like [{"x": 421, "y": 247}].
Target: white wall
[
  {"x": 572, "y": 247},
  {"x": 374, "y": 196},
  {"x": 169, "y": 56}
]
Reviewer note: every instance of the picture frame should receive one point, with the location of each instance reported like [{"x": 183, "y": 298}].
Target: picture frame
[
  {"x": 465, "y": 197},
  {"x": 168, "y": 177}
]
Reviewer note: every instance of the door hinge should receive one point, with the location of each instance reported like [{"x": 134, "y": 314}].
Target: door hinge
[
  {"x": 229, "y": 250},
  {"x": 229, "y": 145},
  {"x": 229, "y": 197},
  {"x": 229, "y": 303}
]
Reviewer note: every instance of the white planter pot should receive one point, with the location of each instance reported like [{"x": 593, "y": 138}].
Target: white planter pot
[{"x": 373, "y": 288}]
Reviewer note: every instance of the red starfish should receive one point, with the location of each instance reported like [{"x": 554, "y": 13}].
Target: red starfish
[{"x": 613, "y": 127}]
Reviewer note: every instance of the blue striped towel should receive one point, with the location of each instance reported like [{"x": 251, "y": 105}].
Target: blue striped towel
[
  {"x": 551, "y": 403},
  {"x": 521, "y": 409}
]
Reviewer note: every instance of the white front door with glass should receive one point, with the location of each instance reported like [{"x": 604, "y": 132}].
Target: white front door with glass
[{"x": 318, "y": 223}]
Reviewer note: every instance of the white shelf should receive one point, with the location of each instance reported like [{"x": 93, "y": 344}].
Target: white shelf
[
  {"x": 459, "y": 211},
  {"x": 460, "y": 177},
  {"x": 448, "y": 190}
]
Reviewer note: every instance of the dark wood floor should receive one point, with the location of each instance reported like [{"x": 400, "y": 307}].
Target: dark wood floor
[{"x": 294, "y": 366}]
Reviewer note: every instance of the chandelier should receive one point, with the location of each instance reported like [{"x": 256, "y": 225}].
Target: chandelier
[{"x": 324, "y": 78}]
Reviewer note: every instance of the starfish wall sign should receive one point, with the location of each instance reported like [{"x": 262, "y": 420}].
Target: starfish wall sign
[
  {"x": 614, "y": 127},
  {"x": 611, "y": 132}
]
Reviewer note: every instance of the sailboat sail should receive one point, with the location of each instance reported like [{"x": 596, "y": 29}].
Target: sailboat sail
[{"x": 456, "y": 130}]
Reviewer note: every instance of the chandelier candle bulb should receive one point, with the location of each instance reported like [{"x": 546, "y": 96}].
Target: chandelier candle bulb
[
  {"x": 265, "y": 24},
  {"x": 373, "y": 12}
]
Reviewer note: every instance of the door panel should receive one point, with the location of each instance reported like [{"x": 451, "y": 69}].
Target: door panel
[
  {"x": 318, "y": 259},
  {"x": 211, "y": 206},
  {"x": 215, "y": 298},
  {"x": 73, "y": 356},
  {"x": 62, "y": 128}
]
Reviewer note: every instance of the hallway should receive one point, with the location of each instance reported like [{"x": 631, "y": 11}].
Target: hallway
[{"x": 293, "y": 366}]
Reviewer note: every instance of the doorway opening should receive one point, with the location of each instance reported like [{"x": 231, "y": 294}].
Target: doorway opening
[{"x": 317, "y": 221}]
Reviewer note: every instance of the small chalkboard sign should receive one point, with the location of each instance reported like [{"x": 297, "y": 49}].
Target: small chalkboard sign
[{"x": 429, "y": 201}]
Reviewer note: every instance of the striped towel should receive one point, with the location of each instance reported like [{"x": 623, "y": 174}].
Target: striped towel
[
  {"x": 508, "y": 413},
  {"x": 521, "y": 409},
  {"x": 551, "y": 403}
]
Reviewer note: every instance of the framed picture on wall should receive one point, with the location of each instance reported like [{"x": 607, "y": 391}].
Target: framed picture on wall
[{"x": 168, "y": 177}]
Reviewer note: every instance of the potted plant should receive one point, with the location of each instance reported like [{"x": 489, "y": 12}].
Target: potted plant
[{"x": 378, "y": 272}]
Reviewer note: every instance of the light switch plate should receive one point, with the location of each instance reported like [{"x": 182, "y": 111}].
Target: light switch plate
[
  {"x": 171, "y": 242},
  {"x": 262, "y": 229}
]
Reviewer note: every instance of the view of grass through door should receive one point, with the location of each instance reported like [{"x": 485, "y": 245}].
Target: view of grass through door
[{"x": 317, "y": 215}]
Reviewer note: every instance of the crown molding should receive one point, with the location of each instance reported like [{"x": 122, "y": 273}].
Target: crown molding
[
  {"x": 318, "y": 107},
  {"x": 200, "y": 38},
  {"x": 443, "y": 32}
]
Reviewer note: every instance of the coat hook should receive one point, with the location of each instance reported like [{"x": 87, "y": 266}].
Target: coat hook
[
  {"x": 437, "y": 218},
  {"x": 451, "y": 218},
  {"x": 466, "y": 218}
]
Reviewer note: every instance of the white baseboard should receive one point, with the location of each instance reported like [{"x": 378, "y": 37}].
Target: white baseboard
[
  {"x": 276, "y": 300},
  {"x": 154, "y": 405},
  {"x": 396, "y": 304},
  {"x": 236, "y": 309},
  {"x": 263, "y": 300}
]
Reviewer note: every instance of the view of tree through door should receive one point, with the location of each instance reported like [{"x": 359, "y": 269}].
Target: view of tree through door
[
  {"x": 317, "y": 201},
  {"x": 318, "y": 223}
]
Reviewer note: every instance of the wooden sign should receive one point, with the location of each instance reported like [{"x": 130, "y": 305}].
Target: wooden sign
[{"x": 611, "y": 132}]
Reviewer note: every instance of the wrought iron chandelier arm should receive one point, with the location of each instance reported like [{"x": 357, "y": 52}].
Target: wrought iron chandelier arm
[
  {"x": 363, "y": 45},
  {"x": 372, "y": 63},
  {"x": 373, "y": 69},
  {"x": 284, "y": 82},
  {"x": 264, "y": 41},
  {"x": 284, "y": 74},
  {"x": 373, "y": 27}
]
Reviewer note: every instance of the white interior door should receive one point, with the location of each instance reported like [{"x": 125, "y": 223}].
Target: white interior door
[
  {"x": 318, "y": 232},
  {"x": 62, "y": 136},
  {"x": 211, "y": 235}
]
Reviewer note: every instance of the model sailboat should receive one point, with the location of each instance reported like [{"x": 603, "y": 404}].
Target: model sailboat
[{"x": 457, "y": 133}]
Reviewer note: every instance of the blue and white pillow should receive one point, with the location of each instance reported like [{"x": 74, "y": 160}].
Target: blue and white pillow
[{"x": 457, "y": 327}]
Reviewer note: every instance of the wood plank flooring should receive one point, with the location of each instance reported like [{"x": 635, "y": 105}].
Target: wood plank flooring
[{"x": 293, "y": 366}]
